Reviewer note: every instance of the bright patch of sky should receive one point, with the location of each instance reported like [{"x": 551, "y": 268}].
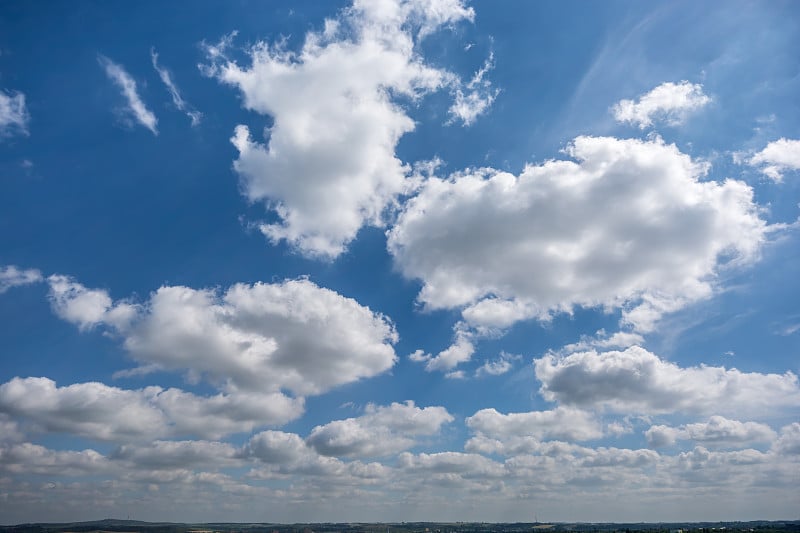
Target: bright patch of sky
[{"x": 400, "y": 260}]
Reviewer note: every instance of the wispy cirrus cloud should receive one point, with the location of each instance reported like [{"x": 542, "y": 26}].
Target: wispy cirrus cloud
[
  {"x": 166, "y": 77},
  {"x": 14, "y": 115},
  {"x": 135, "y": 106}
]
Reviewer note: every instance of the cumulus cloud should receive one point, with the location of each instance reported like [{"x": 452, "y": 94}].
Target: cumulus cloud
[
  {"x": 285, "y": 454},
  {"x": 503, "y": 248},
  {"x": 637, "y": 381},
  {"x": 789, "y": 441},
  {"x": 11, "y": 276},
  {"x": 163, "y": 454},
  {"x": 97, "y": 411},
  {"x": 292, "y": 335},
  {"x": 466, "y": 465},
  {"x": 36, "y": 459},
  {"x": 459, "y": 351},
  {"x": 562, "y": 423},
  {"x": 669, "y": 102},
  {"x": 328, "y": 165},
  {"x": 778, "y": 157},
  {"x": 718, "y": 431},
  {"x": 85, "y": 307},
  {"x": 194, "y": 115},
  {"x": 14, "y": 115},
  {"x": 381, "y": 431},
  {"x": 117, "y": 74}
]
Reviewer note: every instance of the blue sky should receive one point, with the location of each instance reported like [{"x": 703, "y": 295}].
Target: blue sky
[{"x": 399, "y": 260}]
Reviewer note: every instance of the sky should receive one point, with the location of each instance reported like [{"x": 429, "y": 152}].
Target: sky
[{"x": 399, "y": 260}]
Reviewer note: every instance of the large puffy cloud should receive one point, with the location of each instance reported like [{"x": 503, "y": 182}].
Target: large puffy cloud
[
  {"x": 493, "y": 230},
  {"x": 12, "y": 276},
  {"x": 669, "y": 102},
  {"x": 631, "y": 224},
  {"x": 637, "y": 381},
  {"x": 13, "y": 114},
  {"x": 263, "y": 337},
  {"x": 97, "y": 411},
  {"x": 258, "y": 338},
  {"x": 718, "y": 431},
  {"x": 329, "y": 166},
  {"x": 381, "y": 431},
  {"x": 560, "y": 423},
  {"x": 778, "y": 157}
]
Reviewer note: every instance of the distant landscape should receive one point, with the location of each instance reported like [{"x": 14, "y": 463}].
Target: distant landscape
[{"x": 131, "y": 526}]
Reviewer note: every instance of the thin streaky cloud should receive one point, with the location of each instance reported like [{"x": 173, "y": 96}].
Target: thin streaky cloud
[
  {"x": 14, "y": 115},
  {"x": 127, "y": 84},
  {"x": 177, "y": 99}
]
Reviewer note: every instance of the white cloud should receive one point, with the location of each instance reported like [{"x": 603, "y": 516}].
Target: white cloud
[
  {"x": 477, "y": 239},
  {"x": 466, "y": 465},
  {"x": 789, "y": 441},
  {"x": 478, "y": 98},
  {"x": 84, "y": 307},
  {"x": 718, "y": 431},
  {"x": 14, "y": 115},
  {"x": 563, "y": 423},
  {"x": 178, "y": 455},
  {"x": 381, "y": 431},
  {"x": 177, "y": 99},
  {"x": 499, "y": 366},
  {"x": 258, "y": 337},
  {"x": 670, "y": 102},
  {"x": 328, "y": 166},
  {"x": 9, "y": 430},
  {"x": 97, "y": 411},
  {"x": 619, "y": 339},
  {"x": 263, "y": 337},
  {"x": 637, "y": 381},
  {"x": 32, "y": 458},
  {"x": 11, "y": 276},
  {"x": 460, "y": 351},
  {"x": 778, "y": 157},
  {"x": 127, "y": 85},
  {"x": 287, "y": 454}
]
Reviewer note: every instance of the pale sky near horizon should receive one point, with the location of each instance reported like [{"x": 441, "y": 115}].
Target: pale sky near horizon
[{"x": 399, "y": 260}]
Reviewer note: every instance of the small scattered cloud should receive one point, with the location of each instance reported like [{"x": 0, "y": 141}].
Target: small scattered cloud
[
  {"x": 12, "y": 276},
  {"x": 135, "y": 106},
  {"x": 475, "y": 97},
  {"x": 499, "y": 366},
  {"x": 777, "y": 158},
  {"x": 670, "y": 102}
]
